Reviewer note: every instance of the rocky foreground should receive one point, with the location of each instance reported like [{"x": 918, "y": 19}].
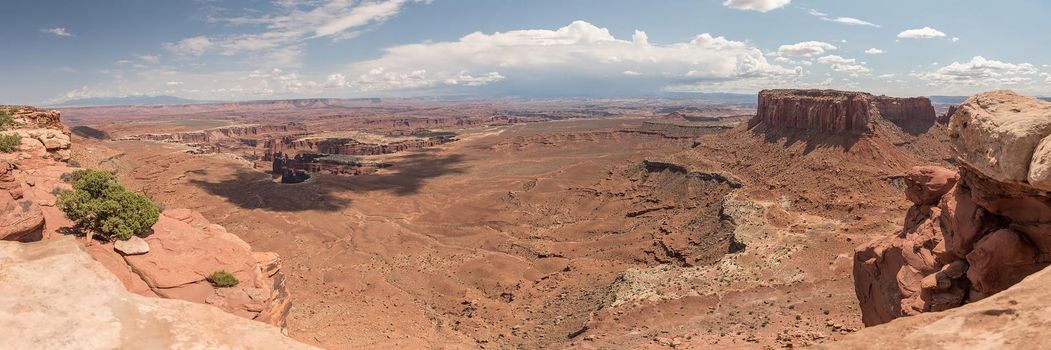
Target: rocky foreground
[
  {"x": 68, "y": 291},
  {"x": 54, "y": 295},
  {"x": 969, "y": 240}
]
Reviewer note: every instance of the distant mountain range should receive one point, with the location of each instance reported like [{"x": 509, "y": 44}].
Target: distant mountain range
[{"x": 128, "y": 101}]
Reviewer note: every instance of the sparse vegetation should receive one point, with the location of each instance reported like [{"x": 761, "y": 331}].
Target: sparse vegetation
[
  {"x": 6, "y": 116},
  {"x": 223, "y": 279},
  {"x": 10, "y": 142},
  {"x": 100, "y": 204}
]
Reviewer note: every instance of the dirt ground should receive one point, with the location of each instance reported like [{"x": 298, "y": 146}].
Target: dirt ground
[{"x": 563, "y": 234}]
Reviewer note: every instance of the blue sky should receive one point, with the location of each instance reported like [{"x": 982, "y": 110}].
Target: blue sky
[{"x": 256, "y": 49}]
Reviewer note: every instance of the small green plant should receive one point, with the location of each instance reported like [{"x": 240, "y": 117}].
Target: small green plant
[
  {"x": 223, "y": 279},
  {"x": 6, "y": 116},
  {"x": 100, "y": 204},
  {"x": 10, "y": 142}
]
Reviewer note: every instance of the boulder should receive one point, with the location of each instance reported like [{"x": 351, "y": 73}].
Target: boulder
[
  {"x": 998, "y": 133},
  {"x": 927, "y": 184},
  {"x": 55, "y": 296},
  {"x": 1013, "y": 319},
  {"x": 999, "y": 260},
  {"x": 133, "y": 246}
]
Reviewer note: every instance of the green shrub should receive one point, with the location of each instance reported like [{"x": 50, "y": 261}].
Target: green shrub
[
  {"x": 6, "y": 116},
  {"x": 10, "y": 142},
  {"x": 100, "y": 204},
  {"x": 223, "y": 279}
]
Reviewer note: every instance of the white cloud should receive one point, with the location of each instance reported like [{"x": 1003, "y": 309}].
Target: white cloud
[
  {"x": 281, "y": 36},
  {"x": 955, "y": 39},
  {"x": 922, "y": 33},
  {"x": 874, "y": 51},
  {"x": 841, "y": 20},
  {"x": 578, "y": 51},
  {"x": 805, "y": 49},
  {"x": 980, "y": 71},
  {"x": 756, "y": 5},
  {"x": 845, "y": 65},
  {"x": 174, "y": 83},
  {"x": 149, "y": 58},
  {"x": 57, "y": 31},
  {"x": 853, "y": 21},
  {"x": 190, "y": 46}
]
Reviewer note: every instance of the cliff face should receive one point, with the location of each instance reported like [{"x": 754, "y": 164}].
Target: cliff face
[
  {"x": 56, "y": 296},
  {"x": 838, "y": 111},
  {"x": 216, "y": 134},
  {"x": 972, "y": 234},
  {"x": 42, "y": 133}
]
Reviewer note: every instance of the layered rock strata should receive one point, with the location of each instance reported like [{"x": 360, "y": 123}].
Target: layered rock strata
[
  {"x": 54, "y": 295},
  {"x": 969, "y": 234},
  {"x": 42, "y": 133},
  {"x": 839, "y": 111}
]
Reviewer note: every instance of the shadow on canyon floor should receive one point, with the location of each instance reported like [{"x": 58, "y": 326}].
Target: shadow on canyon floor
[{"x": 250, "y": 189}]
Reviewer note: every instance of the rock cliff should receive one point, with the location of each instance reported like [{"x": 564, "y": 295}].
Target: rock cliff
[
  {"x": 42, "y": 133},
  {"x": 839, "y": 111},
  {"x": 54, "y": 295},
  {"x": 969, "y": 234}
]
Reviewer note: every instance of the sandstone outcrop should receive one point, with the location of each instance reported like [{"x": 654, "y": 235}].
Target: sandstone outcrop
[
  {"x": 970, "y": 235},
  {"x": 42, "y": 133},
  {"x": 55, "y": 296},
  {"x": 20, "y": 218},
  {"x": 1013, "y": 319},
  {"x": 840, "y": 111}
]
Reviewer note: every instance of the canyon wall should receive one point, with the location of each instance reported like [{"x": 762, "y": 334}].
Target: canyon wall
[
  {"x": 838, "y": 111},
  {"x": 969, "y": 234},
  {"x": 216, "y": 134},
  {"x": 345, "y": 146}
]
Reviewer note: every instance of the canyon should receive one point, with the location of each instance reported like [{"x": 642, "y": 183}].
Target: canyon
[{"x": 556, "y": 224}]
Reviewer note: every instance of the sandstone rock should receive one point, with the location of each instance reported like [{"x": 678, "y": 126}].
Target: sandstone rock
[
  {"x": 927, "y": 184},
  {"x": 133, "y": 246},
  {"x": 964, "y": 222},
  {"x": 997, "y": 133},
  {"x": 1013, "y": 319},
  {"x": 20, "y": 219},
  {"x": 55, "y": 296},
  {"x": 999, "y": 260},
  {"x": 839, "y": 111}
]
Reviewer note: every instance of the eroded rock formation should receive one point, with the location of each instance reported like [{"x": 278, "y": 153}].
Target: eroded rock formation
[
  {"x": 42, "y": 133},
  {"x": 839, "y": 111},
  {"x": 221, "y": 133},
  {"x": 968, "y": 235},
  {"x": 55, "y": 296}
]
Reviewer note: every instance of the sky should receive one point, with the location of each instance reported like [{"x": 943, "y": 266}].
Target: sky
[{"x": 54, "y": 51}]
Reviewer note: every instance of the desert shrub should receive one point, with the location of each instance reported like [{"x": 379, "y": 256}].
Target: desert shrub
[
  {"x": 99, "y": 203},
  {"x": 6, "y": 116},
  {"x": 223, "y": 279},
  {"x": 10, "y": 142}
]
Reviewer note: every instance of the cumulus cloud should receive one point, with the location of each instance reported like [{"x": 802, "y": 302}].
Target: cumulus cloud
[
  {"x": 874, "y": 51},
  {"x": 57, "y": 31},
  {"x": 844, "y": 65},
  {"x": 579, "y": 51},
  {"x": 756, "y": 5},
  {"x": 922, "y": 33},
  {"x": 980, "y": 71},
  {"x": 805, "y": 49}
]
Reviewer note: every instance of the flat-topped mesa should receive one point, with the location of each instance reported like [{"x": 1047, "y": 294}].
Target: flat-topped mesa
[{"x": 839, "y": 111}]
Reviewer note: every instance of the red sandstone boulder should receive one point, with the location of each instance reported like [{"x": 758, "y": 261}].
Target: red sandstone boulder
[
  {"x": 927, "y": 184},
  {"x": 999, "y": 260},
  {"x": 20, "y": 219}
]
